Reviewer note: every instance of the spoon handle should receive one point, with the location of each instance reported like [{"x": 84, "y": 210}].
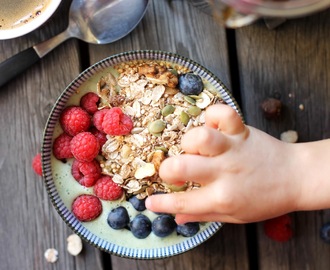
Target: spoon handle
[
  {"x": 20, "y": 62},
  {"x": 17, "y": 64}
]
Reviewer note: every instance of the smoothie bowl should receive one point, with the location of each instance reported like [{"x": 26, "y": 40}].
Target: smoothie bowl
[{"x": 105, "y": 139}]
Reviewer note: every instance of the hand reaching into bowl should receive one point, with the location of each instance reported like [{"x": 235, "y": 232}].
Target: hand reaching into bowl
[{"x": 245, "y": 174}]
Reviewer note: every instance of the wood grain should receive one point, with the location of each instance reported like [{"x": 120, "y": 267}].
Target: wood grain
[
  {"x": 29, "y": 223},
  {"x": 180, "y": 27},
  {"x": 292, "y": 63}
]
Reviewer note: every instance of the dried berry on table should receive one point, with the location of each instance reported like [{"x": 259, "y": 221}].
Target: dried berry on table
[
  {"x": 325, "y": 232},
  {"x": 279, "y": 228},
  {"x": 271, "y": 108},
  {"x": 36, "y": 164}
]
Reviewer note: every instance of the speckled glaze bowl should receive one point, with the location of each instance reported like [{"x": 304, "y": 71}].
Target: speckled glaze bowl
[{"x": 61, "y": 186}]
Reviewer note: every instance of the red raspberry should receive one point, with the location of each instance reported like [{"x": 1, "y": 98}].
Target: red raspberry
[
  {"x": 106, "y": 189},
  {"x": 86, "y": 173},
  {"x": 84, "y": 146},
  {"x": 115, "y": 122},
  {"x": 100, "y": 136},
  {"x": 89, "y": 102},
  {"x": 98, "y": 118},
  {"x": 36, "y": 164},
  {"x": 61, "y": 146},
  {"x": 75, "y": 119},
  {"x": 279, "y": 228},
  {"x": 86, "y": 207}
]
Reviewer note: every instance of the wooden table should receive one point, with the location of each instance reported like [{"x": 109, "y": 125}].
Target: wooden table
[{"x": 291, "y": 62}]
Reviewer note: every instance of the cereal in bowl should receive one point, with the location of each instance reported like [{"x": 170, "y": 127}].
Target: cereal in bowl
[
  {"x": 150, "y": 94},
  {"x": 114, "y": 135}
]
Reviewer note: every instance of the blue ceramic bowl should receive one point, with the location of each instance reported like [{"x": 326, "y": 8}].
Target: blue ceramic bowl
[{"x": 62, "y": 188}]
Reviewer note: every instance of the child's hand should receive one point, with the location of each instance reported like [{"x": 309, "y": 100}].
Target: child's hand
[{"x": 243, "y": 173}]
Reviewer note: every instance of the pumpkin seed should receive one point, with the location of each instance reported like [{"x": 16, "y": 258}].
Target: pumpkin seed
[
  {"x": 156, "y": 126},
  {"x": 194, "y": 111},
  {"x": 190, "y": 100},
  {"x": 167, "y": 110},
  {"x": 184, "y": 118},
  {"x": 195, "y": 97}
]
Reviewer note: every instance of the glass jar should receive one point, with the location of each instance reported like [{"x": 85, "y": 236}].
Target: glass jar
[{"x": 237, "y": 13}]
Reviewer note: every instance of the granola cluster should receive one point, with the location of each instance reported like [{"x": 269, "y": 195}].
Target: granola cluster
[{"x": 147, "y": 92}]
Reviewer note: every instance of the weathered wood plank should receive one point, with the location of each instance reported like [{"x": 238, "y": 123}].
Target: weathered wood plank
[
  {"x": 179, "y": 27},
  {"x": 29, "y": 223},
  {"x": 291, "y": 62}
]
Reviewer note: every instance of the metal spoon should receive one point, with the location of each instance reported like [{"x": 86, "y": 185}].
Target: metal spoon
[{"x": 97, "y": 21}]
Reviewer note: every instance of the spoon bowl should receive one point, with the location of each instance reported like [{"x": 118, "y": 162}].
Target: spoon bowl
[
  {"x": 100, "y": 23},
  {"x": 97, "y": 22}
]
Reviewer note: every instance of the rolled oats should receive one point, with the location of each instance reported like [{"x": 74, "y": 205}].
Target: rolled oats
[{"x": 147, "y": 92}]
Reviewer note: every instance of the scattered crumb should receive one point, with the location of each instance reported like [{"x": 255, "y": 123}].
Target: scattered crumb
[
  {"x": 75, "y": 245},
  {"x": 290, "y": 136},
  {"x": 51, "y": 255}
]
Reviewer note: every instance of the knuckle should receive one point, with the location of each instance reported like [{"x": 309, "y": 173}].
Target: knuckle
[{"x": 180, "y": 205}]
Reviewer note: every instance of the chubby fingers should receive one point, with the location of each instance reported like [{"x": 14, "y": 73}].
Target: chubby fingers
[
  {"x": 205, "y": 141},
  {"x": 182, "y": 218},
  {"x": 192, "y": 202},
  {"x": 188, "y": 167},
  {"x": 224, "y": 118}
]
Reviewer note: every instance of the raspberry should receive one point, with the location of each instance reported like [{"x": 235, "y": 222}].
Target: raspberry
[
  {"x": 115, "y": 122},
  {"x": 61, "y": 146},
  {"x": 106, "y": 189},
  {"x": 98, "y": 118},
  {"x": 89, "y": 102},
  {"x": 100, "y": 136},
  {"x": 86, "y": 173},
  {"x": 36, "y": 164},
  {"x": 75, "y": 119},
  {"x": 279, "y": 228},
  {"x": 84, "y": 146},
  {"x": 86, "y": 207}
]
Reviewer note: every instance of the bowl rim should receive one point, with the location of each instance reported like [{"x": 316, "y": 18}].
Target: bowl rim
[
  {"x": 46, "y": 150},
  {"x": 33, "y": 24}
]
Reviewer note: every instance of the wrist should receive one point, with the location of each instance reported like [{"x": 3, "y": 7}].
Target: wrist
[{"x": 312, "y": 175}]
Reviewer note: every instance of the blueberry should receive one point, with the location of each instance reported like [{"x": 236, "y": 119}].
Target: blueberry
[
  {"x": 325, "y": 232},
  {"x": 190, "y": 84},
  {"x": 189, "y": 229},
  {"x": 118, "y": 218},
  {"x": 163, "y": 225},
  {"x": 138, "y": 204},
  {"x": 140, "y": 226}
]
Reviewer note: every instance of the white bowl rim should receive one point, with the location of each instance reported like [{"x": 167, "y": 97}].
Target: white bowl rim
[{"x": 33, "y": 24}]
